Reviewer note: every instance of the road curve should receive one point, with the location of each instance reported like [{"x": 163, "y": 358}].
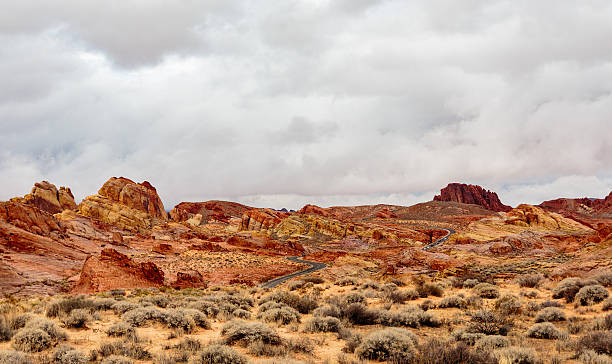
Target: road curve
[{"x": 314, "y": 266}]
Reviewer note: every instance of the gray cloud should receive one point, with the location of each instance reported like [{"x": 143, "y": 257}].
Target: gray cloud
[{"x": 332, "y": 102}]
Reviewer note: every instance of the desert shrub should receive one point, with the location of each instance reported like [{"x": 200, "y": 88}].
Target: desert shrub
[
  {"x": 347, "y": 281},
  {"x": 605, "y": 279},
  {"x": 218, "y": 354},
  {"x": 401, "y": 296},
  {"x": 474, "y": 301},
  {"x": 259, "y": 348},
  {"x": 19, "y": 321},
  {"x": 469, "y": 283},
  {"x": 551, "y": 303},
  {"x": 427, "y": 305},
  {"x": 518, "y": 355},
  {"x": 116, "y": 359},
  {"x": 157, "y": 300},
  {"x": 31, "y": 340},
  {"x": 121, "y": 328},
  {"x": 125, "y": 348},
  {"x": 550, "y": 314},
  {"x": 453, "y": 301},
  {"x": 371, "y": 285},
  {"x": 283, "y": 316},
  {"x": 247, "y": 332},
  {"x": 188, "y": 344},
  {"x": 589, "y": 295},
  {"x": 391, "y": 344},
  {"x": 198, "y": 317},
  {"x": 467, "y": 337},
  {"x": 353, "y": 297},
  {"x": 544, "y": 330},
  {"x": 240, "y": 313},
  {"x": 303, "y": 304},
  {"x": 426, "y": 289},
  {"x": 410, "y": 316},
  {"x": 508, "y": 305},
  {"x": 529, "y": 280},
  {"x": 598, "y": 341},
  {"x": 491, "y": 342},
  {"x": 591, "y": 357},
  {"x": 530, "y": 294},
  {"x": 119, "y": 308},
  {"x": 436, "y": 351},
  {"x": 6, "y": 332},
  {"x": 603, "y": 323},
  {"x": 531, "y": 308},
  {"x": 142, "y": 315},
  {"x": 486, "y": 290},
  {"x": 77, "y": 318},
  {"x": 607, "y": 304},
  {"x": 313, "y": 280},
  {"x": 14, "y": 357},
  {"x": 398, "y": 282},
  {"x": 55, "y": 333},
  {"x": 489, "y": 323},
  {"x": 327, "y": 310},
  {"x": 177, "y": 319},
  {"x": 117, "y": 292},
  {"x": 64, "y": 306},
  {"x": 66, "y": 354},
  {"x": 322, "y": 324},
  {"x": 209, "y": 308},
  {"x": 569, "y": 287},
  {"x": 360, "y": 314},
  {"x": 352, "y": 341},
  {"x": 300, "y": 345},
  {"x": 293, "y": 285},
  {"x": 103, "y": 303}
]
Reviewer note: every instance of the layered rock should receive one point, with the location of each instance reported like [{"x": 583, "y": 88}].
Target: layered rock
[
  {"x": 114, "y": 270},
  {"x": 209, "y": 211},
  {"x": 126, "y": 205},
  {"x": 535, "y": 217},
  {"x": 592, "y": 207},
  {"x": 262, "y": 219},
  {"x": 29, "y": 218},
  {"x": 46, "y": 197},
  {"x": 471, "y": 194}
]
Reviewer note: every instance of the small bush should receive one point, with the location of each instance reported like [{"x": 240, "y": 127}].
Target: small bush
[
  {"x": 66, "y": 354},
  {"x": 550, "y": 303},
  {"x": 157, "y": 300},
  {"x": 371, "y": 285},
  {"x": 293, "y": 285},
  {"x": 31, "y": 340},
  {"x": 55, "y": 333},
  {"x": 508, "y": 305},
  {"x": 218, "y": 354},
  {"x": 64, "y": 306},
  {"x": 436, "y": 351},
  {"x": 116, "y": 359},
  {"x": 300, "y": 345},
  {"x": 470, "y": 283},
  {"x": 14, "y": 357},
  {"x": 121, "y": 328},
  {"x": 314, "y": 280},
  {"x": 6, "y": 332},
  {"x": 603, "y": 323},
  {"x": 327, "y": 310},
  {"x": 453, "y": 301},
  {"x": 248, "y": 332},
  {"x": 569, "y": 287},
  {"x": 240, "y": 313},
  {"x": 491, "y": 342},
  {"x": 517, "y": 355},
  {"x": 589, "y": 295},
  {"x": 607, "y": 304},
  {"x": 208, "y": 308},
  {"x": 77, "y": 318},
  {"x": 303, "y": 304},
  {"x": 142, "y": 315},
  {"x": 470, "y": 338},
  {"x": 353, "y": 298},
  {"x": 401, "y": 296},
  {"x": 323, "y": 324},
  {"x": 426, "y": 289},
  {"x": 282, "y": 316},
  {"x": 124, "y": 348},
  {"x": 19, "y": 321},
  {"x": 198, "y": 317},
  {"x": 486, "y": 290},
  {"x": 544, "y": 330},
  {"x": 591, "y": 357},
  {"x": 605, "y": 279},
  {"x": 391, "y": 344},
  {"x": 410, "y": 316},
  {"x": 188, "y": 344},
  {"x": 360, "y": 314},
  {"x": 489, "y": 323},
  {"x": 353, "y": 340},
  {"x": 119, "y": 308},
  {"x": 550, "y": 314},
  {"x": 347, "y": 281},
  {"x": 529, "y": 280},
  {"x": 177, "y": 319},
  {"x": 598, "y": 341}
]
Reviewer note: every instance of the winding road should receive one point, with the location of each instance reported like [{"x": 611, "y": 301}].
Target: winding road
[{"x": 315, "y": 266}]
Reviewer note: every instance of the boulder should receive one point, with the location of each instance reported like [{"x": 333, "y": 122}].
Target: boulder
[
  {"x": 29, "y": 217},
  {"x": 46, "y": 197}
]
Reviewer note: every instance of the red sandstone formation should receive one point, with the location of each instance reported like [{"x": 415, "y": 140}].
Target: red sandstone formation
[
  {"x": 585, "y": 207},
  {"x": 471, "y": 194},
  {"x": 46, "y": 197},
  {"x": 139, "y": 196},
  {"x": 261, "y": 219},
  {"x": 210, "y": 211},
  {"x": 113, "y": 270},
  {"x": 191, "y": 279},
  {"x": 29, "y": 218}
]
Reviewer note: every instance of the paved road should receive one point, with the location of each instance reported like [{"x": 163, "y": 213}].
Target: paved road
[{"x": 314, "y": 266}]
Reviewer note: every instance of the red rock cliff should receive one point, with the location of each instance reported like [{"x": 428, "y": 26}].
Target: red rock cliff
[{"x": 471, "y": 194}]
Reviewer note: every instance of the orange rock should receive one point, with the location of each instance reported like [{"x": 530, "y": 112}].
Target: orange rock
[
  {"x": 261, "y": 219},
  {"x": 191, "y": 279},
  {"x": 163, "y": 248},
  {"x": 471, "y": 194},
  {"x": 46, "y": 197},
  {"x": 29, "y": 218},
  {"x": 500, "y": 248},
  {"x": 211, "y": 211}
]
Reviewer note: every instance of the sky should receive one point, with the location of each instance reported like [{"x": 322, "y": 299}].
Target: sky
[{"x": 283, "y": 103}]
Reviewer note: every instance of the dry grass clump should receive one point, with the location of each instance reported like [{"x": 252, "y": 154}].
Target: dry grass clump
[
  {"x": 453, "y": 301},
  {"x": 6, "y": 332},
  {"x": 313, "y": 280},
  {"x": 124, "y": 348},
  {"x": 605, "y": 279},
  {"x": 117, "y": 359},
  {"x": 119, "y": 308},
  {"x": 371, "y": 285},
  {"x": 551, "y": 303},
  {"x": 491, "y": 342},
  {"x": 142, "y": 315},
  {"x": 486, "y": 290},
  {"x": 218, "y": 354},
  {"x": 66, "y": 354},
  {"x": 327, "y": 310},
  {"x": 65, "y": 306},
  {"x": 518, "y": 355},
  {"x": 602, "y": 323},
  {"x": 545, "y": 330},
  {"x": 401, "y": 296},
  {"x": 465, "y": 336},
  {"x": 158, "y": 300},
  {"x": 303, "y": 304},
  {"x": 607, "y": 304},
  {"x": 410, "y": 316},
  {"x": 508, "y": 305},
  {"x": 390, "y": 344},
  {"x": 294, "y": 285},
  {"x": 591, "y": 357},
  {"x": 14, "y": 357},
  {"x": 245, "y": 333},
  {"x": 569, "y": 287},
  {"x": 529, "y": 280},
  {"x": 550, "y": 314},
  {"x": 31, "y": 340},
  {"x": 347, "y": 281},
  {"x": 323, "y": 324},
  {"x": 281, "y": 315},
  {"x": 121, "y": 328},
  {"x": 426, "y": 289},
  {"x": 592, "y": 294}
]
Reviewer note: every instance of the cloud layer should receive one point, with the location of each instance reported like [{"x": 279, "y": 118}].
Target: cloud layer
[{"x": 330, "y": 102}]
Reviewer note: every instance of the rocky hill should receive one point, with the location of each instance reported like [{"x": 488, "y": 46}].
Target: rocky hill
[{"x": 471, "y": 194}]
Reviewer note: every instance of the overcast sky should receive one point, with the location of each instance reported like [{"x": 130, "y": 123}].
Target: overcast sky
[{"x": 280, "y": 103}]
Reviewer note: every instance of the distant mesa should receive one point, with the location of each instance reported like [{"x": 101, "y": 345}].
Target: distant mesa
[
  {"x": 581, "y": 206},
  {"x": 472, "y": 194}
]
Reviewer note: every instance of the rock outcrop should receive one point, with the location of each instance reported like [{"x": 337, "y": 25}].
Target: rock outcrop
[
  {"x": 262, "y": 219},
  {"x": 46, "y": 197},
  {"x": 114, "y": 270},
  {"x": 471, "y": 194},
  {"x": 591, "y": 207},
  {"x": 29, "y": 218},
  {"x": 125, "y": 204},
  {"x": 535, "y": 217},
  {"x": 209, "y": 211}
]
